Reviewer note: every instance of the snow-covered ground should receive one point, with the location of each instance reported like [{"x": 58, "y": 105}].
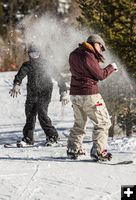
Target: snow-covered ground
[{"x": 41, "y": 173}]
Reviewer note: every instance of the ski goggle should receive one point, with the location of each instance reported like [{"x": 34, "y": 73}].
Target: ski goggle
[{"x": 34, "y": 54}]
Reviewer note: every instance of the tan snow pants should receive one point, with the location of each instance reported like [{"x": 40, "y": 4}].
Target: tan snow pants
[{"x": 91, "y": 106}]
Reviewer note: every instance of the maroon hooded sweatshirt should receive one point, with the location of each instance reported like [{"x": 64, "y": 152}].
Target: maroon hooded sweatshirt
[{"x": 86, "y": 71}]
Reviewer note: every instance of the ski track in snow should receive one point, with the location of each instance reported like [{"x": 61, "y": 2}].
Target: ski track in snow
[{"x": 39, "y": 173}]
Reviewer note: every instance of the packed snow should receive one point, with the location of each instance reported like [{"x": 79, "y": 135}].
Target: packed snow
[{"x": 39, "y": 173}]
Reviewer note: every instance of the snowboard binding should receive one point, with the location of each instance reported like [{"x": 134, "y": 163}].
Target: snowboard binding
[
  {"x": 74, "y": 154},
  {"x": 103, "y": 156}
]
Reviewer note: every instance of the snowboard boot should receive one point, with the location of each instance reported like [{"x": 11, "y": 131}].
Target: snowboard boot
[
  {"x": 74, "y": 154},
  {"x": 103, "y": 156},
  {"x": 24, "y": 142},
  {"x": 51, "y": 140}
]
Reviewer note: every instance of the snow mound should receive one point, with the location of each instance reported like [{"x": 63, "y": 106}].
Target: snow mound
[{"x": 123, "y": 144}]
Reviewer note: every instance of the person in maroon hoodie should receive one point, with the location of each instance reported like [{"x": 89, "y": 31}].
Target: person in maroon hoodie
[{"x": 86, "y": 99}]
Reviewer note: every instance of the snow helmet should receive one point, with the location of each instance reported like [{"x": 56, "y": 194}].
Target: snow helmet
[{"x": 94, "y": 38}]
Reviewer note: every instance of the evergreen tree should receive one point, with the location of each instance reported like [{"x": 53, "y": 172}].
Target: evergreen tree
[{"x": 115, "y": 21}]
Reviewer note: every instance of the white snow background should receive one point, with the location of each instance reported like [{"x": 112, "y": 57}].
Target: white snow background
[{"x": 41, "y": 173}]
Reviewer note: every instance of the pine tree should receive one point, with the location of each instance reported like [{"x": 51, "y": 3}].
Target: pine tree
[{"x": 115, "y": 21}]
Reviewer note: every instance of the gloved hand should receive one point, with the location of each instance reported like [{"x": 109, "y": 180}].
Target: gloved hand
[
  {"x": 114, "y": 66},
  {"x": 15, "y": 90},
  {"x": 64, "y": 98}
]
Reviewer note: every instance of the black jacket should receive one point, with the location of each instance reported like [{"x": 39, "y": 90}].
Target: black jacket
[{"x": 39, "y": 77}]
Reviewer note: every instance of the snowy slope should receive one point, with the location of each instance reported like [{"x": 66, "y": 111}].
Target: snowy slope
[{"x": 41, "y": 173}]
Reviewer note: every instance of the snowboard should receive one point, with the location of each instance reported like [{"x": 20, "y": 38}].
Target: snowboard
[
  {"x": 89, "y": 160},
  {"x": 14, "y": 145},
  {"x": 40, "y": 144},
  {"x": 67, "y": 159},
  {"x": 124, "y": 162}
]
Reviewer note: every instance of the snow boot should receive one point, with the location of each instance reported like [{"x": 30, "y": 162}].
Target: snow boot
[
  {"x": 74, "y": 154},
  {"x": 25, "y": 142}
]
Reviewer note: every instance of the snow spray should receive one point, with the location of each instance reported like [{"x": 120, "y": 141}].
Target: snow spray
[
  {"x": 118, "y": 85},
  {"x": 56, "y": 40}
]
